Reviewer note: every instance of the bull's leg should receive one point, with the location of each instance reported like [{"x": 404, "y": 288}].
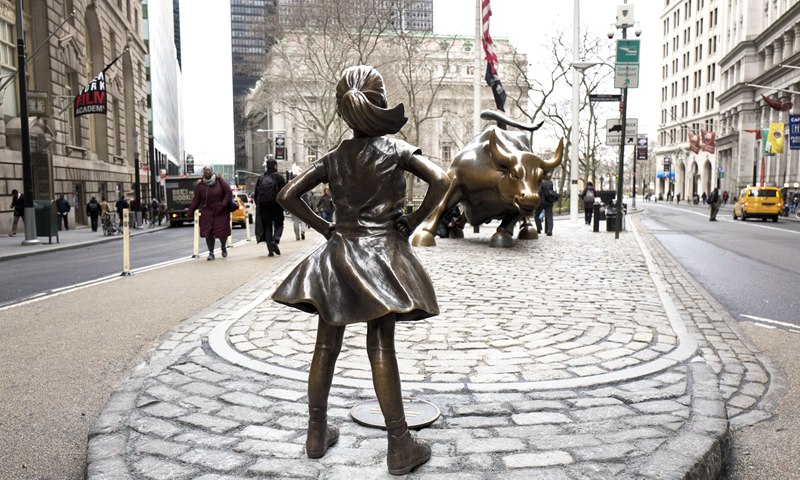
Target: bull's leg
[
  {"x": 526, "y": 232},
  {"x": 502, "y": 238},
  {"x": 425, "y": 234}
]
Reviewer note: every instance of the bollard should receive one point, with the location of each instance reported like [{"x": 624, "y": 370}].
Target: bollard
[
  {"x": 596, "y": 217},
  {"x": 229, "y": 242},
  {"x": 196, "y": 236},
  {"x": 126, "y": 243},
  {"x": 247, "y": 226}
]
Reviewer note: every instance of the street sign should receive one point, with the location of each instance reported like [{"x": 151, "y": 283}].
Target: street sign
[
  {"x": 280, "y": 146},
  {"x": 794, "y": 132},
  {"x": 614, "y": 131},
  {"x": 627, "y": 51},
  {"x": 626, "y": 75},
  {"x": 641, "y": 147},
  {"x": 605, "y": 97}
]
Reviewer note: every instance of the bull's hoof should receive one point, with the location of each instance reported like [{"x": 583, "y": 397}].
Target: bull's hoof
[
  {"x": 501, "y": 240},
  {"x": 423, "y": 238},
  {"x": 456, "y": 233},
  {"x": 526, "y": 233}
]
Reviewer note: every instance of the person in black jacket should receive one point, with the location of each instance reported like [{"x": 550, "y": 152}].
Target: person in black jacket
[
  {"x": 62, "y": 207},
  {"x": 547, "y": 197},
  {"x": 18, "y": 205},
  {"x": 93, "y": 211},
  {"x": 269, "y": 212}
]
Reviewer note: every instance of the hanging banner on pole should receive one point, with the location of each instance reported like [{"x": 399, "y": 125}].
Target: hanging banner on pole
[
  {"x": 280, "y": 146},
  {"x": 641, "y": 147}
]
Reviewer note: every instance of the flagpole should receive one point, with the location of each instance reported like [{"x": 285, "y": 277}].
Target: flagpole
[
  {"x": 476, "y": 82},
  {"x": 575, "y": 133}
]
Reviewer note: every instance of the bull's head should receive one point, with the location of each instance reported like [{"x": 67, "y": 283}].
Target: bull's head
[{"x": 522, "y": 172}]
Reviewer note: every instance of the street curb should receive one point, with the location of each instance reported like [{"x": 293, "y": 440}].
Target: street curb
[{"x": 707, "y": 431}]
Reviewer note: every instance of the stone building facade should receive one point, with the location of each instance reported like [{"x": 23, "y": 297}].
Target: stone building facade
[
  {"x": 446, "y": 130},
  {"x": 90, "y": 155}
]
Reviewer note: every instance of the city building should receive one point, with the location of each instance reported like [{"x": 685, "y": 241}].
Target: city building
[
  {"x": 761, "y": 41},
  {"x": 252, "y": 32},
  {"x": 445, "y": 65},
  {"x": 690, "y": 50},
  {"x": 88, "y": 155},
  {"x": 164, "y": 94}
]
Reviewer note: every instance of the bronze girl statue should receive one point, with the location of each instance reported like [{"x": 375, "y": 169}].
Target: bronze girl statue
[{"x": 367, "y": 270}]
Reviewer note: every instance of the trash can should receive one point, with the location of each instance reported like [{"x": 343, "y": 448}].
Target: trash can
[
  {"x": 46, "y": 219},
  {"x": 611, "y": 218}
]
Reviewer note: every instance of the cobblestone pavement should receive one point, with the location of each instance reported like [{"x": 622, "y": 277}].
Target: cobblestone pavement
[{"x": 576, "y": 356}]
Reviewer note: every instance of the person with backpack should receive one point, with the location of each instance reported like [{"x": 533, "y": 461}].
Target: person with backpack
[
  {"x": 547, "y": 198},
  {"x": 93, "y": 212},
  {"x": 269, "y": 227},
  {"x": 588, "y": 196}
]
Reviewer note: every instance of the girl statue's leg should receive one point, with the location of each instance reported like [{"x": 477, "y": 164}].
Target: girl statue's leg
[
  {"x": 405, "y": 452},
  {"x": 320, "y": 435}
]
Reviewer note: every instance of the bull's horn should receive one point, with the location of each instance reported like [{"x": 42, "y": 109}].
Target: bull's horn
[
  {"x": 498, "y": 154},
  {"x": 499, "y": 117},
  {"x": 556, "y": 161}
]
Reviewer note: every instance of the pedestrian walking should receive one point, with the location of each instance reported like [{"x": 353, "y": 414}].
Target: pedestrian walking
[
  {"x": 704, "y": 197},
  {"x": 725, "y": 196},
  {"x": 547, "y": 198},
  {"x": 62, "y": 208},
  {"x": 269, "y": 228},
  {"x": 588, "y": 196},
  {"x": 121, "y": 205},
  {"x": 325, "y": 205},
  {"x": 93, "y": 210},
  {"x": 212, "y": 196},
  {"x": 299, "y": 225},
  {"x": 18, "y": 206},
  {"x": 367, "y": 270},
  {"x": 713, "y": 204}
]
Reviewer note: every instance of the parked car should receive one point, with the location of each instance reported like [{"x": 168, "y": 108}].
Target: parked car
[{"x": 758, "y": 202}]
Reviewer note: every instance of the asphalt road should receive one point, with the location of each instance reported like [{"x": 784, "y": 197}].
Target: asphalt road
[
  {"x": 752, "y": 267},
  {"x": 48, "y": 272}
]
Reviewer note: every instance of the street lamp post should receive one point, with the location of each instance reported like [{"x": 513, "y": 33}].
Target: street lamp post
[
  {"x": 27, "y": 166},
  {"x": 623, "y": 23}
]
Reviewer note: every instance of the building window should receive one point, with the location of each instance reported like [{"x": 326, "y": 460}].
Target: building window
[
  {"x": 8, "y": 66},
  {"x": 73, "y": 124}
]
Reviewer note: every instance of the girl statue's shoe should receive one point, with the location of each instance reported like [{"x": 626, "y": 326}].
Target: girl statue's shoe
[
  {"x": 320, "y": 437},
  {"x": 406, "y": 453}
]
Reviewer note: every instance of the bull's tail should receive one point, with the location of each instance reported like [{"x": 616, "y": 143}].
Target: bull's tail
[{"x": 500, "y": 118}]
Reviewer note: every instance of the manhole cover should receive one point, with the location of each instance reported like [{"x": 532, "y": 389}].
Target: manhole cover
[{"x": 419, "y": 413}]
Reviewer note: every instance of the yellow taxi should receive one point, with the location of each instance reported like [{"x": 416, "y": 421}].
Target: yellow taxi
[
  {"x": 238, "y": 216},
  {"x": 758, "y": 202}
]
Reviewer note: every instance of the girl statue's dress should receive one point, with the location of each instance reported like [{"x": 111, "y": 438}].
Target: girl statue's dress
[{"x": 367, "y": 269}]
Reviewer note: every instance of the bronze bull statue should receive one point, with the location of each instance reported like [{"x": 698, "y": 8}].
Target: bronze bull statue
[{"x": 496, "y": 176}]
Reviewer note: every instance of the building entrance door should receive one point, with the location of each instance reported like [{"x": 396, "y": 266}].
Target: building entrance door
[{"x": 79, "y": 203}]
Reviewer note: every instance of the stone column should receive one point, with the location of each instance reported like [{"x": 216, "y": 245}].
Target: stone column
[
  {"x": 777, "y": 52},
  {"x": 788, "y": 45},
  {"x": 768, "y": 52},
  {"x": 796, "y": 29}
]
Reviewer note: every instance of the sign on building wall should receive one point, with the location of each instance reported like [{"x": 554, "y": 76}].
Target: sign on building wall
[{"x": 794, "y": 132}]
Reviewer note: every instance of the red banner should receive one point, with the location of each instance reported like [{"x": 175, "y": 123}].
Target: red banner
[
  {"x": 709, "y": 140},
  {"x": 694, "y": 143}
]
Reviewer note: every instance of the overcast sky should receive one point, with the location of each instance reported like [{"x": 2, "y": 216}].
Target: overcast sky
[{"x": 206, "y": 51}]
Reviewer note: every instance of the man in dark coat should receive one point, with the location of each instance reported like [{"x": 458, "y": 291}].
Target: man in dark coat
[
  {"x": 93, "y": 211},
  {"x": 18, "y": 205},
  {"x": 121, "y": 205},
  {"x": 269, "y": 227},
  {"x": 62, "y": 207},
  {"x": 547, "y": 197}
]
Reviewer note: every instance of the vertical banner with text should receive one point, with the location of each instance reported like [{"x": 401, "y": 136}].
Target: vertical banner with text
[{"x": 794, "y": 132}]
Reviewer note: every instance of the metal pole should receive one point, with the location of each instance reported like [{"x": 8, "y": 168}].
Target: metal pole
[
  {"x": 575, "y": 133},
  {"x": 27, "y": 166},
  {"x": 126, "y": 243},
  {"x": 621, "y": 171},
  {"x": 476, "y": 82},
  {"x": 137, "y": 189}
]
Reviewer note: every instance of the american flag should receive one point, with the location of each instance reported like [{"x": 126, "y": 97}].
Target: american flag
[{"x": 492, "y": 79}]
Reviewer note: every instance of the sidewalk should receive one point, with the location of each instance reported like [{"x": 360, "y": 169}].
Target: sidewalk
[{"x": 569, "y": 357}]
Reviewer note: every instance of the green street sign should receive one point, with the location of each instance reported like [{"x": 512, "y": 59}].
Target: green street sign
[{"x": 627, "y": 51}]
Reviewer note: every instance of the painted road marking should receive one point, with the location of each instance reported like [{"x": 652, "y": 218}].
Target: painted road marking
[
  {"x": 791, "y": 326},
  {"x": 729, "y": 220}
]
